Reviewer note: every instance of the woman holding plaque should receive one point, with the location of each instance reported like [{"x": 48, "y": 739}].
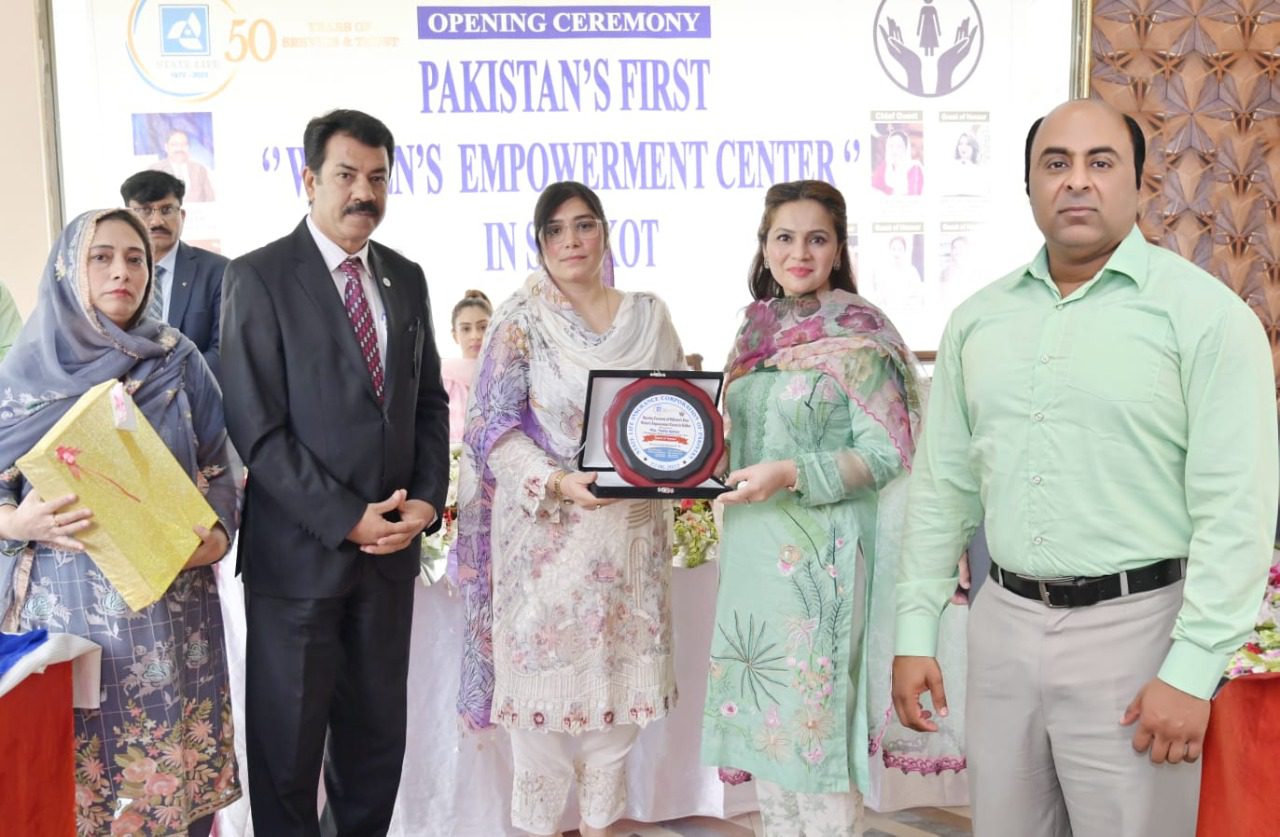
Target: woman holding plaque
[
  {"x": 566, "y": 595},
  {"x": 156, "y": 757},
  {"x": 822, "y": 405}
]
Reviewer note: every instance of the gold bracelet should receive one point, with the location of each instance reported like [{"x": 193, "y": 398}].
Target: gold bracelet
[{"x": 555, "y": 484}]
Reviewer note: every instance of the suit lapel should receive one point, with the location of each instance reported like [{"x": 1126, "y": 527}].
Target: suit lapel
[
  {"x": 317, "y": 283},
  {"x": 184, "y": 273}
]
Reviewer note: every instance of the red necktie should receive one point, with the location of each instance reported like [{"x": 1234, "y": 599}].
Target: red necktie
[{"x": 362, "y": 322}]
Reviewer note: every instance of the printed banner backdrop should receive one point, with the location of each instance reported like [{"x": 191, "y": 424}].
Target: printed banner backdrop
[{"x": 679, "y": 116}]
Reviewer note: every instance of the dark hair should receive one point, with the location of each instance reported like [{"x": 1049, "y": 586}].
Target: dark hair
[
  {"x": 359, "y": 126},
  {"x": 759, "y": 279},
  {"x": 969, "y": 140},
  {"x": 150, "y": 186},
  {"x": 471, "y": 299},
  {"x": 553, "y": 197},
  {"x": 131, "y": 218},
  {"x": 1135, "y": 136}
]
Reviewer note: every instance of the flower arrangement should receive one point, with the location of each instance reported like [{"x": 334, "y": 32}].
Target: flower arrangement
[
  {"x": 1261, "y": 653},
  {"x": 435, "y": 547},
  {"x": 696, "y": 533}
]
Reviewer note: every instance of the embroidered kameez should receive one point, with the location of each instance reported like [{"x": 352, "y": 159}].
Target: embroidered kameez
[{"x": 157, "y": 755}]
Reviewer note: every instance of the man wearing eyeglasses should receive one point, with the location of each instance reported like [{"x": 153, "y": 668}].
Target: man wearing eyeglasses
[{"x": 188, "y": 279}]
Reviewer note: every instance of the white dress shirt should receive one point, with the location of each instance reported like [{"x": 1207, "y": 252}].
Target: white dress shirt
[{"x": 334, "y": 256}]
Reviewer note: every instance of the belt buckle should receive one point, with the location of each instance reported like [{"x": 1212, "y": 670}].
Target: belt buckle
[{"x": 1045, "y": 589}]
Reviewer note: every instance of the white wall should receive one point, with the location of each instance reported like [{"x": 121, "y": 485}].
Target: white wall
[{"x": 29, "y": 213}]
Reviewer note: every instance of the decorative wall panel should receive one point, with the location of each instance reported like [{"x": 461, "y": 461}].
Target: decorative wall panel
[{"x": 1202, "y": 77}]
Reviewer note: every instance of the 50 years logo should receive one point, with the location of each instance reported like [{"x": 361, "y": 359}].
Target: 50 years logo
[{"x": 192, "y": 51}]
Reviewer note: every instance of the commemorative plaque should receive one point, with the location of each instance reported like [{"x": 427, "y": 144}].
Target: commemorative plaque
[{"x": 653, "y": 434}]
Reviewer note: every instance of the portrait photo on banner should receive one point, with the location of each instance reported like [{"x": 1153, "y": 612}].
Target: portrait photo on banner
[
  {"x": 897, "y": 154},
  {"x": 180, "y": 144},
  {"x": 963, "y": 151}
]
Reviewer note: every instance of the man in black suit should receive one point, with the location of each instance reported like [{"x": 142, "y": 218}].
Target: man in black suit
[
  {"x": 333, "y": 397},
  {"x": 188, "y": 279}
]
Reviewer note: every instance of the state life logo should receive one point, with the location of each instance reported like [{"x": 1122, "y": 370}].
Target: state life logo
[
  {"x": 185, "y": 30},
  {"x": 177, "y": 48},
  {"x": 929, "y": 48}
]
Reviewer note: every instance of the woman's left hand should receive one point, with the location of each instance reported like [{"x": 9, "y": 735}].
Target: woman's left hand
[
  {"x": 214, "y": 543},
  {"x": 757, "y": 483}
]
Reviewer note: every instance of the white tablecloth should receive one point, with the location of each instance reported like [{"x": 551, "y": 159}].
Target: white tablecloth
[{"x": 459, "y": 785}]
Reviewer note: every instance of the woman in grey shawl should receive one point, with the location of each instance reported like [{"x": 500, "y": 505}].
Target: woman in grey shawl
[{"x": 156, "y": 757}]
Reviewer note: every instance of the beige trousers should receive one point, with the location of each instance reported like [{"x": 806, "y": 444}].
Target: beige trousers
[
  {"x": 791, "y": 814},
  {"x": 546, "y": 763},
  {"x": 1046, "y": 691}
]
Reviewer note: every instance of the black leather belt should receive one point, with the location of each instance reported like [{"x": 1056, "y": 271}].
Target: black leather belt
[{"x": 1082, "y": 591}]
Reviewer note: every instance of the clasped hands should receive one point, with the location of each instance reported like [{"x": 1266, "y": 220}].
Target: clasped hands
[{"x": 376, "y": 535}]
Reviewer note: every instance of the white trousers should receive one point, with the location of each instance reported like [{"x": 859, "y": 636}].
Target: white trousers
[
  {"x": 1046, "y": 691},
  {"x": 791, "y": 814},
  {"x": 546, "y": 763}
]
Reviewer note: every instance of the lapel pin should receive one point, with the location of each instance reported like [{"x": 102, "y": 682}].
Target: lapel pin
[{"x": 386, "y": 282}]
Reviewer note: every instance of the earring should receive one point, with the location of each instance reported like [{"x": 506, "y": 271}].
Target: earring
[
  {"x": 766, "y": 265},
  {"x": 836, "y": 266}
]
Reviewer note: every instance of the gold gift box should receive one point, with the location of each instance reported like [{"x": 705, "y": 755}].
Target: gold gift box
[{"x": 144, "y": 504}]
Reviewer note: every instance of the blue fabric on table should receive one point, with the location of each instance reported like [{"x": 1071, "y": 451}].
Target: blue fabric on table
[{"x": 14, "y": 647}]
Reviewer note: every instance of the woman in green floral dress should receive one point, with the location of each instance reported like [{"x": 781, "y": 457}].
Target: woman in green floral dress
[{"x": 822, "y": 407}]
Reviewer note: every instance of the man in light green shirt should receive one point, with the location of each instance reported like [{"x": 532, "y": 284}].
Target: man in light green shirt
[
  {"x": 1109, "y": 412},
  {"x": 10, "y": 321}
]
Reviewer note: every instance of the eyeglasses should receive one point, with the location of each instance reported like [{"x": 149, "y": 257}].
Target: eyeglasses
[
  {"x": 164, "y": 211},
  {"x": 585, "y": 229}
]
